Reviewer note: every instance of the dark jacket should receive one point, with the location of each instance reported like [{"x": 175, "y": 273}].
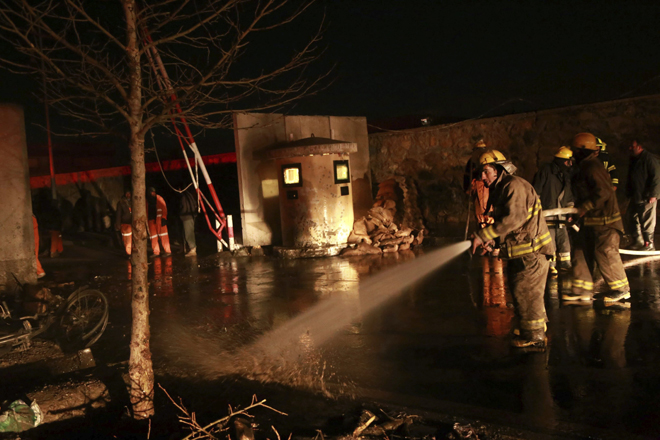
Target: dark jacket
[
  {"x": 604, "y": 157},
  {"x": 188, "y": 203},
  {"x": 553, "y": 185},
  {"x": 51, "y": 217},
  {"x": 518, "y": 218},
  {"x": 593, "y": 192},
  {"x": 123, "y": 215},
  {"x": 643, "y": 178}
]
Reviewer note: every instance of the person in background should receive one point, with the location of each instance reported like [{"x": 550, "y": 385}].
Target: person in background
[
  {"x": 553, "y": 185},
  {"x": 123, "y": 221},
  {"x": 55, "y": 229},
  {"x": 188, "y": 206},
  {"x": 40, "y": 270},
  {"x": 604, "y": 156},
  {"x": 157, "y": 219},
  {"x": 525, "y": 243},
  {"x": 473, "y": 185},
  {"x": 643, "y": 190}
]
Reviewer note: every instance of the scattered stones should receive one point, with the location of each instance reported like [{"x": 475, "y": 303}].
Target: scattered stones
[
  {"x": 392, "y": 224},
  {"x": 241, "y": 252}
]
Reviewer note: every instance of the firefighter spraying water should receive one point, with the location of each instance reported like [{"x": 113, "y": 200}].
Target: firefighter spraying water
[{"x": 520, "y": 230}]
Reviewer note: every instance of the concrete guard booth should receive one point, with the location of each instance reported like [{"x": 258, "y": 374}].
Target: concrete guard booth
[{"x": 315, "y": 194}]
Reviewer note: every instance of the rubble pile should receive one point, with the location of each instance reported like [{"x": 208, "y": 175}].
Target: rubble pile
[{"x": 393, "y": 223}]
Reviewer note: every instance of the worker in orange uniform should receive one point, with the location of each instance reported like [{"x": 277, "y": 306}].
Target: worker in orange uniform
[
  {"x": 40, "y": 270},
  {"x": 474, "y": 187},
  {"x": 157, "y": 216},
  {"x": 123, "y": 220}
]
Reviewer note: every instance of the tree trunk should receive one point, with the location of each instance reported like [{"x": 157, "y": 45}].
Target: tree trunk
[{"x": 140, "y": 367}]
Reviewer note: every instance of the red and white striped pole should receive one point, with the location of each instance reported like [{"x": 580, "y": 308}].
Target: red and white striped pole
[{"x": 230, "y": 232}]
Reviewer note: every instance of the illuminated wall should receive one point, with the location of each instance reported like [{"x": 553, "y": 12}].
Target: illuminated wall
[{"x": 17, "y": 256}]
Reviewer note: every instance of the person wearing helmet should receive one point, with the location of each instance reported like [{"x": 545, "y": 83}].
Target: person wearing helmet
[
  {"x": 643, "y": 190},
  {"x": 525, "y": 242},
  {"x": 157, "y": 219},
  {"x": 604, "y": 157},
  {"x": 598, "y": 239},
  {"x": 552, "y": 183},
  {"x": 473, "y": 185}
]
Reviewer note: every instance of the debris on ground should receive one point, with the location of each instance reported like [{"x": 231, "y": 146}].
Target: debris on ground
[
  {"x": 20, "y": 417},
  {"x": 238, "y": 423},
  {"x": 393, "y": 223},
  {"x": 382, "y": 425},
  {"x": 463, "y": 432}
]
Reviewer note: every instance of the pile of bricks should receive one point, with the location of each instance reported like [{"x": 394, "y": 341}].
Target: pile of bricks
[{"x": 384, "y": 228}]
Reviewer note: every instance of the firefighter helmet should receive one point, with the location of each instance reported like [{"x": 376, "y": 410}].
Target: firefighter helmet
[
  {"x": 564, "y": 153},
  {"x": 600, "y": 144},
  {"x": 585, "y": 141},
  {"x": 493, "y": 156}
]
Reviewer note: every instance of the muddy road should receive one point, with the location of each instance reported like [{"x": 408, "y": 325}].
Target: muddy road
[{"x": 441, "y": 346}]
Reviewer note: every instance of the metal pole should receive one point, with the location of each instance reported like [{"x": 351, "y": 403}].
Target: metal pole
[
  {"x": 164, "y": 77},
  {"x": 217, "y": 225},
  {"x": 467, "y": 222},
  {"x": 53, "y": 188},
  {"x": 230, "y": 232}
]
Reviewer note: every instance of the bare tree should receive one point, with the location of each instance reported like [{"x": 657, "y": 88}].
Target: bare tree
[{"x": 99, "y": 58}]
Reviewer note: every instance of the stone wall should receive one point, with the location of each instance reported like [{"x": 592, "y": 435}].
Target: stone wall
[{"x": 435, "y": 157}]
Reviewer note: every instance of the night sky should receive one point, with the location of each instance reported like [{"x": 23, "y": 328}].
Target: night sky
[
  {"x": 463, "y": 58},
  {"x": 467, "y": 58}
]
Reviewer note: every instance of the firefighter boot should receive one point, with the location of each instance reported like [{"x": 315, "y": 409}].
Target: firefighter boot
[
  {"x": 616, "y": 295},
  {"x": 552, "y": 271},
  {"x": 530, "y": 338},
  {"x": 637, "y": 244}
]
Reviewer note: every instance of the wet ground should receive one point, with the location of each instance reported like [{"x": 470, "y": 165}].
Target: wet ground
[{"x": 441, "y": 346}]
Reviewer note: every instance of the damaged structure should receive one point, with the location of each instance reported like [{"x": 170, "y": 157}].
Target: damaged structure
[
  {"x": 393, "y": 224},
  {"x": 315, "y": 193},
  {"x": 267, "y": 142}
]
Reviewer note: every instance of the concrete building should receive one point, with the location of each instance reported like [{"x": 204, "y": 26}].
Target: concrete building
[{"x": 17, "y": 256}]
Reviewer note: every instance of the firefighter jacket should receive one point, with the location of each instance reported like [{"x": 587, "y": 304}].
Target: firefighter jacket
[
  {"x": 519, "y": 222},
  {"x": 593, "y": 192},
  {"x": 123, "y": 215},
  {"x": 604, "y": 157},
  {"x": 643, "y": 178},
  {"x": 553, "y": 185},
  {"x": 156, "y": 208}
]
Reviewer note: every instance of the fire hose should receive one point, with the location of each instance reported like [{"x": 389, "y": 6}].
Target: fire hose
[{"x": 566, "y": 211}]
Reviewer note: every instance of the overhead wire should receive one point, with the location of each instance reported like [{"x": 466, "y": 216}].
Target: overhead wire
[{"x": 160, "y": 165}]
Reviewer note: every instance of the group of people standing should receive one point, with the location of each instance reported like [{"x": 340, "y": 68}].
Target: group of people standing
[
  {"x": 512, "y": 225},
  {"x": 157, "y": 222}
]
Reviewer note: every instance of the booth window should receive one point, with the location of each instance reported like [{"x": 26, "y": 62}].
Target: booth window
[
  {"x": 292, "y": 175},
  {"x": 342, "y": 174}
]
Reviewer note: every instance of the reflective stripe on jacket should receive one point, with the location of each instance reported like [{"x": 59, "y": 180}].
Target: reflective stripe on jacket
[
  {"x": 519, "y": 222},
  {"x": 594, "y": 193}
]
